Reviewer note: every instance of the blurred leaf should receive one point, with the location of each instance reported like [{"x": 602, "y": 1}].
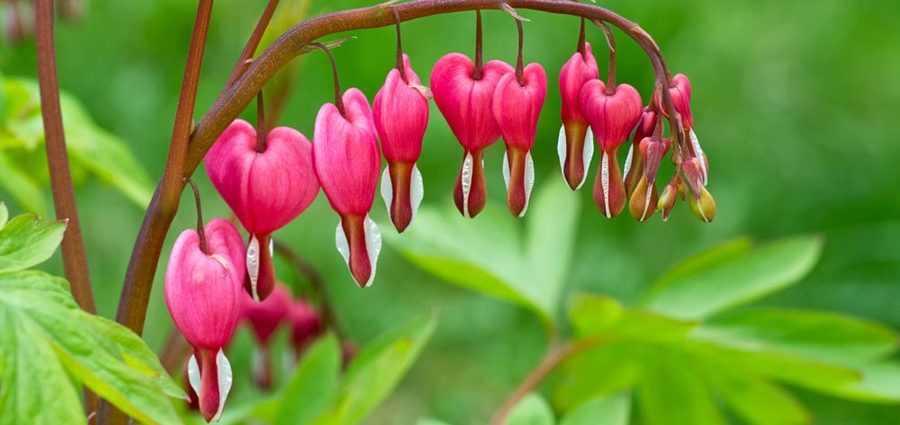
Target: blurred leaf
[
  {"x": 728, "y": 251},
  {"x": 312, "y": 387},
  {"x": 430, "y": 421},
  {"x": 21, "y": 186},
  {"x": 373, "y": 375},
  {"x": 89, "y": 347},
  {"x": 880, "y": 383},
  {"x": 611, "y": 367},
  {"x": 670, "y": 392},
  {"x": 487, "y": 254},
  {"x": 532, "y": 410},
  {"x": 4, "y": 215},
  {"x": 612, "y": 410},
  {"x": 737, "y": 280},
  {"x": 26, "y": 240},
  {"x": 757, "y": 401},
  {"x": 822, "y": 336},
  {"x": 598, "y": 315}
]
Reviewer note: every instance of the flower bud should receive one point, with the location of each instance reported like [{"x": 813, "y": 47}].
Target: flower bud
[
  {"x": 681, "y": 92},
  {"x": 634, "y": 167},
  {"x": 265, "y": 189},
  {"x": 516, "y": 107},
  {"x": 667, "y": 200},
  {"x": 576, "y": 142},
  {"x": 264, "y": 318},
  {"x": 612, "y": 117},
  {"x": 703, "y": 205},
  {"x": 203, "y": 290},
  {"x": 306, "y": 325},
  {"x": 347, "y": 161},
  {"x": 400, "y": 111},
  {"x": 465, "y": 100}
]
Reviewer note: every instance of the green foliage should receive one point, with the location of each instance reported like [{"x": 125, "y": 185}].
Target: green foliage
[
  {"x": 46, "y": 339},
  {"x": 91, "y": 149},
  {"x": 532, "y": 410},
  {"x": 612, "y": 410}
]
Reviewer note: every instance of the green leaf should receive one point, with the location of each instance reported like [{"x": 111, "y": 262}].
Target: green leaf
[
  {"x": 4, "y": 215},
  {"x": 756, "y": 400},
  {"x": 491, "y": 254},
  {"x": 823, "y": 336},
  {"x": 612, "y": 410},
  {"x": 21, "y": 186},
  {"x": 611, "y": 367},
  {"x": 373, "y": 375},
  {"x": 728, "y": 251},
  {"x": 738, "y": 280},
  {"x": 671, "y": 392},
  {"x": 312, "y": 387},
  {"x": 602, "y": 316},
  {"x": 108, "y": 359},
  {"x": 27, "y": 240},
  {"x": 880, "y": 383},
  {"x": 532, "y": 410}
]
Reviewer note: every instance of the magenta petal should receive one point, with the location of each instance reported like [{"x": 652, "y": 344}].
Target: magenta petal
[
  {"x": 265, "y": 316},
  {"x": 578, "y": 70},
  {"x": 612, "y": 117},
  {"x": 400, "y": 112},
  {"x": 516, "y": 107}
]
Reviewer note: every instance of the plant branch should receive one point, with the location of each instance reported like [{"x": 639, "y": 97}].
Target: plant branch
[
  {"x": 253, "y": 42},
  {"x": 329, "y": 315},
  {"x": 235, "y": 98}
]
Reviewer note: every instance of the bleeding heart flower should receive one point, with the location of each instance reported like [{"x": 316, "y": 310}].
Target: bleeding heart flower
[
  {"x": 634, "y": 167},
  {"x": 265, "y": 189},
  {"x": 464, "y": 96},
  {"x": 702, "y": 203},
  {"x": 680, "y": 91},
  {"x": 612, "y": 117},
  {"x": 264, "y": 318},
  {"x": 346, "y": 157},
  {"x": 576, "y": 142},
  {"x": 400, "y": 111},
  {"x": 516, "y": 107},
  {"x": 305, "y": 325},
  {"x": 203, "y": 293},
  {"x": 644, "y": 198}
]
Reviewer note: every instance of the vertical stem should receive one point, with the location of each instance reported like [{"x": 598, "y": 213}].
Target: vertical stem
[
  {"x": 520, "y": 60},
  {"x": 201, "y": 233},
  {"x": 400, "y": 66},
  {"x": 611, "y": 43},
  {"x": 252, "y": 42},
  {"x": 338, "y": 101},
  {"x": 479, "y": 56},
  {"x": 262, "y": 129},
  {"x": 581, "y": 39}
]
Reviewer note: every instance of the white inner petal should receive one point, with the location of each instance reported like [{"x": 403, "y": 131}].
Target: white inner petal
[
  {"x": 529, "y": 181},
  {"x": 506, "y": 171},
  {"x": 466, "y": 182},
  {"x": 340, "y": 240},
  {"x": 588, "y": 154},
  {"x": 628, "y": 159},
  {"x": 271, "y": 247},
  {"x": 646, "y": 202},
  {"x": 387, "y": 189},
  {"x": 561, "y": 149},
  {"x": 417, "y": 190},
  {"x": 194, "y": 374},
  {"x": 225, "y": 379},
  {"x": 373, "y": 246},
  {"x": 253, "y": 265},
  {"x": 604, "y": 182},
  {"x": 695, "y": 143}
]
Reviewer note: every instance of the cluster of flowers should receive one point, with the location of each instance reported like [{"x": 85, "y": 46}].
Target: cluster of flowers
[{"x": 268, "y": 179}]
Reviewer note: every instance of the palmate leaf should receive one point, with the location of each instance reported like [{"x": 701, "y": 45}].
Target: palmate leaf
[{"x": 491, "y": 255}]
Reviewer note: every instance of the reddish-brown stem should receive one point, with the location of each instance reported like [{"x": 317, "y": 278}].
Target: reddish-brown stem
[
  {"x": 611, "y": 43},
  {"x": 303, "y": 267},
  {"x": 338, "y": 100},
  {"x": 262, "y": 130},
  {"x": 74, "y": 258},
  {"x": 400, "y": 66},
  {"x": 253, "y": 42},
  {"x": 520, "y": 60},
  {"x": 201, "y": 233},
  {"x": 479, "y": 47},
  {"x": 581, "y": 39},
  {"x": 233, "y": 100}
]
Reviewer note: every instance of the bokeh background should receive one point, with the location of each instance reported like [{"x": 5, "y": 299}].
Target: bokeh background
[{"x": 796, "y": 103}]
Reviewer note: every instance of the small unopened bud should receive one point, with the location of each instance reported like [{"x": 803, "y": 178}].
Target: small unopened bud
[
  {"x": 703, "y": 205},
  {"x": 643, "y": 200},
  {"x": 667, "y": 200}
]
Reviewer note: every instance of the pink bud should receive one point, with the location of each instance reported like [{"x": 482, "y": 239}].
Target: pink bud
[
  {"x": 203, "y": 291},
  {"x": 265, "y": 316},
  {"x": 465, "y": 99},
  {"x": 516, "y": 107},
  {"x": 634, "y": 166},
  {"x": 680, "y": 91},
  {"x": 305, "y": 325},
  {"x": 644, "y": 199},
  {"x": 574, "y": 154},
  {"x": 347, "y": 160},
  {"x": 400, "y": 111},
  {"x": 266, "y": 190},
  {"x": 612, "y": 117}
]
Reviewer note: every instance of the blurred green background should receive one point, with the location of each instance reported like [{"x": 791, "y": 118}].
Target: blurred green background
[{"x": 796, "y": 104}]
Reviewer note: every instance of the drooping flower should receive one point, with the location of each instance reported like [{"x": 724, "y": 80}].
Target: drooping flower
[
  {"x": 347, "y": 161},
  {"x": 576, "y": 142},
  {"x": 680, "y": 92},
  {"x": 612, "y": 115},
  {"x": 264, "y": 318},
  {"x": 400, "y": 111},
  {"x": 702, "y": 203},
  {"x": 516, "y": 106},
  {"x": 306, "y": 325},
  {"x": 644, "y": 197},
  {"x": 266, "y": 185},
  {"x": 634, "y": 167},
  {"x": 203, "y": 294},
  {"x": 464, "y": 95}
]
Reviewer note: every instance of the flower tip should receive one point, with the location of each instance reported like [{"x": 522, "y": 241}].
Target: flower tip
[
  {"x": 704, "y": 206},
  {"x": 358, "y": 240}
]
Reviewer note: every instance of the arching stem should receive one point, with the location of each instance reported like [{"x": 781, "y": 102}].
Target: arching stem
[
  {"x": 400, "y": 66},
  {"x": 200, "y": 232},
  {"x": 338, "y": 101},
  {"x": 611, "y": 43}
]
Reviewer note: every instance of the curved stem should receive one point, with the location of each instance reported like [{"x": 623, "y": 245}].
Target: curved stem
[
  {"x": 611, "y": 43},
  {"x": 338, "y": 101},
  {"x": 581, "y": 39},
  {"x": 329, "y": 315},
  {"x": 200, "y": 231},
  {"x": 233, "y": 100},
  {"x": 253, "y": 42},
  {"x": 400, "y": 66}
]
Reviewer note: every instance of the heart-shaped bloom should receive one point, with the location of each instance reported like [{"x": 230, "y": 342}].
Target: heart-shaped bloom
[
  {"x": 681, "y": 91},
  {"x": 347, "y": 160},
  {"x": 576, "y": 144},
  {"x": 305, "y": 325},
  {"x": 612, "y": 116},
  {"x": 517, "y": 106},
  {"x": 264, "y": 318},
  {"x": 400, "y": 111},
  {"x": 203, "y": 293},
  {"x": 466, "y": 102},
  {"x": 266, "y": 190}
]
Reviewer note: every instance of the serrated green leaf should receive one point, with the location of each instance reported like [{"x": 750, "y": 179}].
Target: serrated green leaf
[
  {"x": 26, "y": 241},
  {"x": 612, "y": 410},
  {"x": 532, "y": 410},
  {"x": 756, "y": 400},
  {"x": 670, "y": 392},
  {"x": 90, "y": 348},
  {"x": 738, "y": 280},
  {"x": 373, "y": 375},
  {"x": 18, "y": 183},
  {"x": 827, "y": 337},
  {"x": 312, "y": 387}
]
